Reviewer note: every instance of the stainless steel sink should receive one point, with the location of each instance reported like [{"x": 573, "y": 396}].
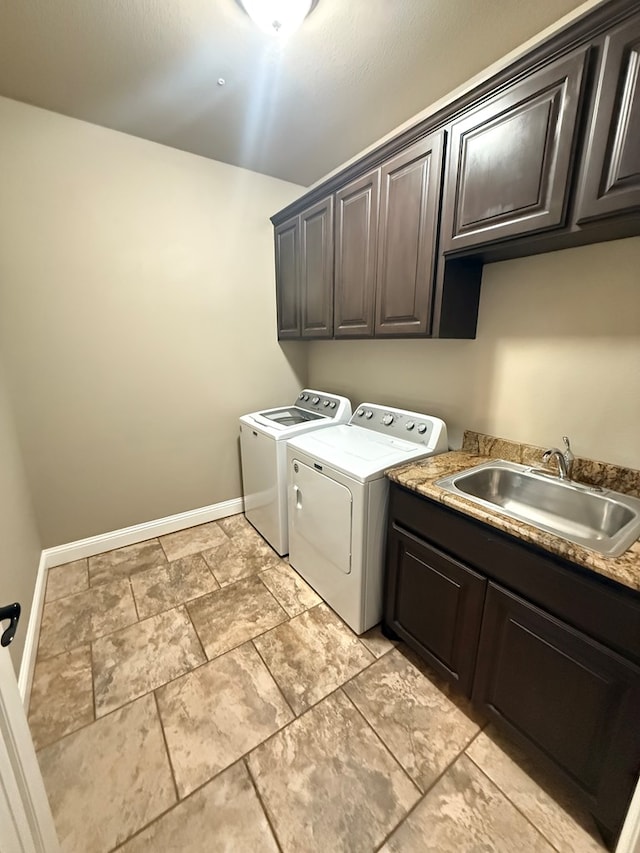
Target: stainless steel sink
[{"x": 605, "y": 521}]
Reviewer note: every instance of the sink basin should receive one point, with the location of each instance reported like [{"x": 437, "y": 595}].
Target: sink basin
[{"x": 605, "y": 521}]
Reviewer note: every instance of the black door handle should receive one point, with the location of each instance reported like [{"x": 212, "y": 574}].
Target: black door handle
[{"x": 11, "y": 612}]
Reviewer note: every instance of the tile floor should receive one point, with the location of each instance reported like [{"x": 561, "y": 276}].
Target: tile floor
[{"x": 193, "y": 694}]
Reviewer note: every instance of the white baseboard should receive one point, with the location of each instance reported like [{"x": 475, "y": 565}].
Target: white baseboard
[
  {"x": 62, "y": 554},
  {"x": 629, "y": 841},
  {"x": 140, "y": 532},
  {"x": 27, "y": 666}
]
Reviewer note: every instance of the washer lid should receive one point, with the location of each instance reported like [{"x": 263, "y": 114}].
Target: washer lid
[
  {"x": 358, "y": 452},
  {"x": 311, "y": 410},
  {"x": 290, "y": 416}
]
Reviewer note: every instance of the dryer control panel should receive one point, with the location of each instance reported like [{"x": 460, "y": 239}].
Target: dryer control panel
[{"x": 403, "y": 424}]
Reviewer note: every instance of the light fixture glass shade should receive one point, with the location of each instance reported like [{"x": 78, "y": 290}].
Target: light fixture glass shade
[{"x": 277, "y": 17}]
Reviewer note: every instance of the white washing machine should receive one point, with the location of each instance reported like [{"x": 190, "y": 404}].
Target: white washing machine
[
  {"x": 338, "y": 503},
  {"x": 263, "y": 437}
]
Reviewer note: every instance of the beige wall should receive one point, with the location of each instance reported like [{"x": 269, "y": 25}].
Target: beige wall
[
  {"x": 557, "y": 352},
  {"x": 19, "y": 542},
  {"x": 137, "y": 317}
]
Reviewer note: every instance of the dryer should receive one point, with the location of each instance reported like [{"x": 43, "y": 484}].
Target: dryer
[
  {"x": 338, "y": 497},
  {"x": 263, "y": 437}
]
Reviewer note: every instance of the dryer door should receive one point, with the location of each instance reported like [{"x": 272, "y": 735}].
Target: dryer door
[{"x": 320, "y": 518}]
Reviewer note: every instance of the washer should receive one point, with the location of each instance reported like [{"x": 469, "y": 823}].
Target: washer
[
  {"x": 263, "y": 437},
  {"x": 338, "y": 503}
]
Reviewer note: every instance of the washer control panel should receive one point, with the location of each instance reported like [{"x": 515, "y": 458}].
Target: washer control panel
[
  {"x": 402, "y": 424},
  {"x": 329, "y": 405}
]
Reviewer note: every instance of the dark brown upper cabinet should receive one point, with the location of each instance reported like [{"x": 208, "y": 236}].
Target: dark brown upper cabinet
[
  {"x": 410, "y": 186},
  {"x": 287, "y": 241},
  {"x": 356, "y": 248},
  {"x": 510, "y": 159},
  {"x": 611, "y": 175},
  {"x": 541, "y": 155},
  {"x": 316, "y": 270},
  {"x": 304, "y": 273}
]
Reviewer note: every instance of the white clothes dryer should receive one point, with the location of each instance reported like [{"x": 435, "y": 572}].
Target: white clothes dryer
[
  {"x": 263, "y": 437},
  {"x": 338, "y": 498}
]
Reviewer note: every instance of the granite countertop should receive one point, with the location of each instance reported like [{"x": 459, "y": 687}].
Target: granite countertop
[{"x": 419, "y": 476}]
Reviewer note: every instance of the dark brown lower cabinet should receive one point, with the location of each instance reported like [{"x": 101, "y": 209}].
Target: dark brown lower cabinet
[
  {"x": 547, "y": 650},
  {"x": 436, "y": 607},
  {"x": 571, "y": 699}
]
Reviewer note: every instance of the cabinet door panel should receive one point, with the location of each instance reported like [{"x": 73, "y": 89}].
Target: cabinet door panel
[
  {"x": 434, "y": 603},
  {"x": 316, "y": 269},
  {"x": 564, "y": 694},
  {"x": 611, "y": 181},
  {"x": 409, "y": 203},
  {"x": 356, "y": 246},
  {"x": 287, "y": 238},
  {"x": 510, "y": 160}
]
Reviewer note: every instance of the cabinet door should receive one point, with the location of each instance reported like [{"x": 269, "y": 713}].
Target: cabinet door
[
  {"x": 287, "y": 236},
  {"x": 409, "y": 207},
  {"x": 356, "y": 246},
  {"x": 434, "y": 603},
  {"x": 316, "y": 269},
  {"x": 510, "y": 160},
  {"x": 557, "y": 690},
  {"x": 611, "y": 180}
]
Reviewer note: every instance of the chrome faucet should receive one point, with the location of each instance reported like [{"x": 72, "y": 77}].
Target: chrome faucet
[{"x": 564, "y": 459}]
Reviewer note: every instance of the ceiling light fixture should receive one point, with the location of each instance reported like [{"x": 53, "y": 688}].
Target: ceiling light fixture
[{"x": 278, "y": 17}]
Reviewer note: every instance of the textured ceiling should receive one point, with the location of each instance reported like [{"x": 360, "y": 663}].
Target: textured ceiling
[{"x": 355, "y": 70}]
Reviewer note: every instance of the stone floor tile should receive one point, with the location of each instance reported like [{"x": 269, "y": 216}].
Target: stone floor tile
[
  {"x": 293, "y": 593},
  {"x": 464, "y": 812},
  {"x": 337, "y": 778},
  {"x": 226, "y": 809},
  {"x": 541, "y": 797},
  {"x": 168, "y": 586},
  {"x": 83, "y": 617},
  {"x": 213, "y": 716},
  {"x": 312, "y": 655},
  {"x": 328, "y": 783},
  {"x": 61, "y": 696},
  {"x": 376, "y": 642},
  {"x": 136, "y": 660},
  {"x": 193, "y": 540},
  {"x": 67, "y": 579},
  {"x": 233, "y": 615},
  {"x": 123, "y": 562},
  {"x": 424, "y": 728},
  {"x": 237, "y": 525},
  {"x": 108, "y": 780},
  {"x": 239, "y": 558}
]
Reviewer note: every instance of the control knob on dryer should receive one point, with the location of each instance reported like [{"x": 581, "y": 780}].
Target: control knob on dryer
[
  {"x": 422, "y": 428},
  {"x": 333, "y": 404},
  {"x": 409, "y": 425},
  {"x": 387, "y": 420},
  {"x": 315, "y": 401},
  {"x": 325, "y": 402},
  {"x": 368, "y": 414}
]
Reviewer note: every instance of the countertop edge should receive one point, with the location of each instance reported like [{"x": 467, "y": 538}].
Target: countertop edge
[{"x": 420, "y": 476}]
